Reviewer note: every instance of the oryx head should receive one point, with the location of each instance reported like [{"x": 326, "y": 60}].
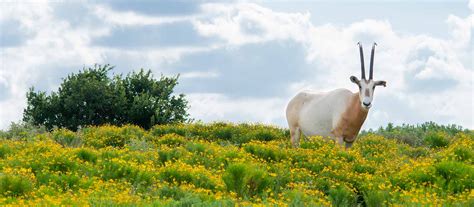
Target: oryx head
[{"x": 367, "y": 87}]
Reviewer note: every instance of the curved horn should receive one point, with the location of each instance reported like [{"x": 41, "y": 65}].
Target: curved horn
[
  {"x": 371, "y": 72},
  {"x": 362, "y": 68}
]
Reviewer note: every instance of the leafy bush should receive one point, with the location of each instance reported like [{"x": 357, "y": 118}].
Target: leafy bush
[
  {"x": 457, "y": 176},
  {"x": 245, "y": 181},
  {"x": 436, "y": 140},
  {"x": 87, "y": 155},
  {"x": 66, "y": 138},
  {"x": 266, "y": 153},
  {"x": 91, "y": 97},
  {"x": 376, "y": 198},
  {"x": 341, "y": 196},
  {"x": 14, "y": 185},
  {"x": 4, "y": 150}
]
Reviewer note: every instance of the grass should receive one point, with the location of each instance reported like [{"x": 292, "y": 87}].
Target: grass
[{"x": 224, "y": 164}]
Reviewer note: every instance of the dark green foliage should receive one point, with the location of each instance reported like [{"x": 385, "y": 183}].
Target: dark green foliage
[
  {"x": 14, "y": 185},
  {"x": 90, "y": 97}
]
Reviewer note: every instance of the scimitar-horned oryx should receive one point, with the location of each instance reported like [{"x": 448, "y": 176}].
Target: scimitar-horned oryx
[{"x": 337, "y": 114}]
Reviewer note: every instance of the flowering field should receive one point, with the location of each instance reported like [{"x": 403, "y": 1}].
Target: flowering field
[{"x": 227, "y": 165}]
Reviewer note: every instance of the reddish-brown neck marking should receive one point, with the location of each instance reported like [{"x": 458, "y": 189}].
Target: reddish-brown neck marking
[{"x": 351, "y": 120}]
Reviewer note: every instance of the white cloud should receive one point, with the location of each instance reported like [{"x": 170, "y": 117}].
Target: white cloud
[
  {"x": 130, "y": 18},
  {"x": 245, "y": 23},
  {"x": 200, "y": 74}
]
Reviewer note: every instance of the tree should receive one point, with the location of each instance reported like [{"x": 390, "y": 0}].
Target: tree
[{"x": 91, "y": 97}]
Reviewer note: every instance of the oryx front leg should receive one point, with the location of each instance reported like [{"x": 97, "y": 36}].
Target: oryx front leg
[{"x": 340, "y": 141}]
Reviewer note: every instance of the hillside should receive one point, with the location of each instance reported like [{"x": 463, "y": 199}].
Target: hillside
[{"x": 225, "y": 164}]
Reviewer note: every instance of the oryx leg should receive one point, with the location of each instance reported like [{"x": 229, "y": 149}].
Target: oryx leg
[
  {"x": 295, "y": 136},
  {"x": 340, "y": 141}
]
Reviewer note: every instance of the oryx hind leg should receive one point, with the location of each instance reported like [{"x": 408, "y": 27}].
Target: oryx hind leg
[{"x": 295, "y": 136}]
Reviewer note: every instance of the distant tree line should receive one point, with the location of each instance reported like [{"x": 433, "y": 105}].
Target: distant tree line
[{"x": 91, "y": 97}]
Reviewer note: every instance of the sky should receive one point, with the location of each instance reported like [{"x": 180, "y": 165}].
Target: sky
[{"x": 242, "y": 61}]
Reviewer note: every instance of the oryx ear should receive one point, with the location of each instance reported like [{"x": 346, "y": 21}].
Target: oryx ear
[
  {"x": 380, "y": 83},
  {"x": 354, "y": 79}
]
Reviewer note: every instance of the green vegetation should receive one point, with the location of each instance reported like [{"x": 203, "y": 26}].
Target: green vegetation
[
  {"x": 91, "y": 97},
  {"x": 418, "y": 135},
  {"x": 224, "y": 164}
]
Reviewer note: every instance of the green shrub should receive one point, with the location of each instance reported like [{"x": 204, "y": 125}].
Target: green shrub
[
  {"x": 63, "y": 182},
  {"x": 171, "y": 140},
  {"x": 463, "y": 154},
  {"x": 104, "y": 136},
  {"x": 264, "y": 135},
  {"x": 173, "y": 192},
  {"x": 4, "y": 151},
  {"x": 436, "y": 140},
  {"x": 195, "y": 147},
  {"x": 363, "y": 169},
  {"x": 115, "y": 170},
  {"x": 61, "y": 163},
  {"x": 376, "y": 198},
  {"x": 160, "y": 130},
  {"x": 169, "y": 155},
  {"x": 245, "y": 181},
  {"x": 265, "y": 153},
  {"x": 341, "y": 196},
  {"x": 66, "y": 138},
  {"x": 234, "y": 178},
  {"x": 456, "y": 176},
  {"x": 11, "y": 185},
  {"x": 423, "y": 175},
  {"x": 86, "y": 155}
]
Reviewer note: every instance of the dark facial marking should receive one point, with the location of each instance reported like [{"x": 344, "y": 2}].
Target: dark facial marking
[{"x": 367, "y": 92}]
